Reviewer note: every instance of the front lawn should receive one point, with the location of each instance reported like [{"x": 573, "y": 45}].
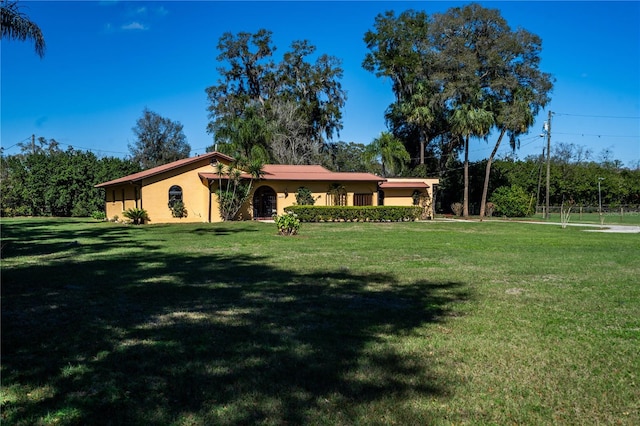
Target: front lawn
[{"x": 346, "y": 323}]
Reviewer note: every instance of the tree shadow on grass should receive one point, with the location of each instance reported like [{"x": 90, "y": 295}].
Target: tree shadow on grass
[
  {"x": 213, "y": 339},
  {"x": 38, "y": 238}
]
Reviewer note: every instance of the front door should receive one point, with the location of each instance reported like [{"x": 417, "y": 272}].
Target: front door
[{"x": 264, "y": 203}]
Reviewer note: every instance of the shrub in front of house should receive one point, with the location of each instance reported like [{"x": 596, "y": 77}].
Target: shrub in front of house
[
  {"x": 288, "y": 224},
  {"x": 356, "y": 213},
  {"x": 304, "y": 197},
  {"x": 137, "y": 216},
  {"x": 178, "y": 209}
]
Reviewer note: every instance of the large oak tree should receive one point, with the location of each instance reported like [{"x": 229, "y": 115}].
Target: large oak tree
[{"x": 298, "y": 99}]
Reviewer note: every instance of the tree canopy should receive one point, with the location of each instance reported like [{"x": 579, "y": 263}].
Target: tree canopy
[
  {"x": 159, "y": 141},
  {"x": 297, "y": 101},
  {"x": 389, "y": 152},
  {"x": 44, "y": 180},
  {"x": 456, "y": 75}
]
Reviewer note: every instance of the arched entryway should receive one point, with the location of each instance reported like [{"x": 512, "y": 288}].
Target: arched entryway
[{"x": 264, "y": 203}]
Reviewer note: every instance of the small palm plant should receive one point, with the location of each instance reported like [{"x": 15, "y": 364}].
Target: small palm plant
[{"x": 136, "y": 215}]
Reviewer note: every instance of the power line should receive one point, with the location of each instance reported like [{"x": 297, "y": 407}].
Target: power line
[
  {"x": 600, "y": 136},
  {"x": 17, "y": 143},
  {"x": 598, "y": 116},
  {"x": 95, "y": 150}
]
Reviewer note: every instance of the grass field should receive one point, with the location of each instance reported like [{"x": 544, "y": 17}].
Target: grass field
[{"x": 348, "y": 323}]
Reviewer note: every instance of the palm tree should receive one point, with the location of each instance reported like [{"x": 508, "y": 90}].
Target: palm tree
[
  {"x": 245, "y": 136},
  {"x": 514, "y": 118},
  {"x": 420, "y": 114},
  {"x": 466, "y": 121},
  {"x": 390, "y": 151},
  {"x": 234, "y": 192},
  {"x": 16, "y": 25}
]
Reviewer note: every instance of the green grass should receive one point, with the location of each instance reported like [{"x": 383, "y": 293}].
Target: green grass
[{"x": 347, "y": 323}]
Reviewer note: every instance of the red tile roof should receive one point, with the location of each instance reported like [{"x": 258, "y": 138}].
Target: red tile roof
[
  {"x": 304, "y": 173},
  {"x": 401, "y": 185},
  {"x": 161, "y": 169},
  {"x": 313, "y": 172},
  {"x": 271, "y": 172}
]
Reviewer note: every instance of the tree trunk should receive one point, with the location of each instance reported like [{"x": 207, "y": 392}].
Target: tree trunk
[
  {"x": 487, "y": 172},
  {"x": 465, "y": 199}
]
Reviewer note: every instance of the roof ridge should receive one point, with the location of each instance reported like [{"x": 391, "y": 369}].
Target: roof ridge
[{"x": 164, "y": 168}]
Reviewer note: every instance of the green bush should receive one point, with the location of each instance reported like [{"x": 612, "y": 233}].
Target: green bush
[
  {"x": 178, "y": 209},
  {"x": 304, "y": 197},
  {"x": 16, "y": 211},
  {"x": 99, "y": 215},
  {"x": 511, "y": 201},
  {"x": 136, "y": 215},
  {"x": 355, "y": 214},
  {"x": 288, "y": 223},
  {"x": 81, "y": 209}
]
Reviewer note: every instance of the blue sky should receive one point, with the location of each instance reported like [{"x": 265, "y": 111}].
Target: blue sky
[{"x": 108, "y": 60}]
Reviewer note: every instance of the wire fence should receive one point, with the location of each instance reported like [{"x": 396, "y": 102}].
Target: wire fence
[{"x": 607, "y": 210}]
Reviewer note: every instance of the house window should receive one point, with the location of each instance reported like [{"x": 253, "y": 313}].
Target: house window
[
  {"x": 416, "y": 197},
  {"x": 175, "y": 195},
  {"x": 337, "y": 195},
  {"x": 113, "y": 196},
  {"x": 362, "y": 199}
]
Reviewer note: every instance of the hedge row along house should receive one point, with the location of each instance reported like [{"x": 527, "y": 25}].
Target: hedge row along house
[{"x": 194, "y": 182}]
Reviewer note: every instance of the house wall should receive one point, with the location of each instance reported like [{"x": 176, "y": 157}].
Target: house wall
[
  {"x": 286, "y": 192},
  {"x": 120, "y": 198},
  {"x": 153, "y": 196},
  {"x": 404, "y": 196},
  {"x": 195, "y": 195},
  {"x": 398, "y": 197}
]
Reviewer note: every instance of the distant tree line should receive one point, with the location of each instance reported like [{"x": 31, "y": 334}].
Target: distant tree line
[
  {"x": 44, "y": 180},
  {"x": 572, "y": 177}
]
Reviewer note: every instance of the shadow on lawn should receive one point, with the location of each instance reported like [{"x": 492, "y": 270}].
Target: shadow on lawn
[{"x": 154, "y": 338}]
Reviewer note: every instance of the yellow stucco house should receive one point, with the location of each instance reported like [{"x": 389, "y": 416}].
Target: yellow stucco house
[{"x": 194, "y": 181}]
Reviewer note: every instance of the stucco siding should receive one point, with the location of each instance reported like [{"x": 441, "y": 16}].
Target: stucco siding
[
  {"x": 286, "y": 192},
  {"x": 118, "y": 199},
  {"x": 398, "y": 197},
  {"x": 195, "y": 195}
]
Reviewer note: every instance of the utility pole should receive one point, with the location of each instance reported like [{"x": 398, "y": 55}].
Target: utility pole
[
  {"x": 539, "y": 181},
  {"x": 548, "y": 130},
  {"x": 33, "y": 144},
  {"x": 600, "y": 179}
]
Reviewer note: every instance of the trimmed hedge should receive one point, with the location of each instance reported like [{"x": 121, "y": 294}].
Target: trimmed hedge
[{"x": 355, "y": 214}]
